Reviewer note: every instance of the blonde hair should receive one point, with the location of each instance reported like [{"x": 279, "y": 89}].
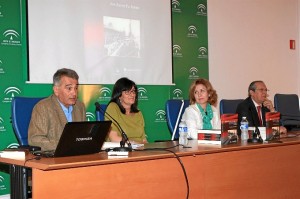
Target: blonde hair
[{"x": 212, "y": 94}]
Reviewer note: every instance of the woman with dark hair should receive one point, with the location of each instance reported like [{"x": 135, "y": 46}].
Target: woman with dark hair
[
  {"x": 202, "y": 112},
  {"x": 123, "y": 107}
]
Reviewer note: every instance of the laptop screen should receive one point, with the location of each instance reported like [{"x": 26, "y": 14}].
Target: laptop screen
[{"x": 80, "y": 138}]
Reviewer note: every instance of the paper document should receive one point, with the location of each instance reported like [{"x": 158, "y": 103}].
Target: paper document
[
  {"x": 117, "y": 144},
  {"x": 18, "y": 155}
]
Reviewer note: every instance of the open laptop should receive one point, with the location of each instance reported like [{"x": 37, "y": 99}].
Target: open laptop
[{"x": 80, "y": 138}]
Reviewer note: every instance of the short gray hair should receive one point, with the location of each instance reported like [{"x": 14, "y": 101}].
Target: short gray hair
[
  {"x": 252, "y": 86},
  {"x": 64, "y": 72}
]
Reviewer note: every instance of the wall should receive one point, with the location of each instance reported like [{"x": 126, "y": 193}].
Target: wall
[{"x": 249, "y": 40}]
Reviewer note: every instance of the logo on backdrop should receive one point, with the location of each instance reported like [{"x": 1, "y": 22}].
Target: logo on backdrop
[
  {"x": 11, "y": 38},
  {"x": 176, "y": 6},
  {"x": 203, "y": 53},
  {"x": 193, "y": 73},
  {"x": 201, "y": 10},
  {"x": 177, "y": 50},
  {"x": 105, "y": 94},
  {"x": 2, "y": 128},
  {"x": 177, "y": 94},
  {"x": 9, "y": 93},
  {"x": 1, "y": 67},
  {"x": 13, "y": 146},
  {"x": 142, "y": 93},
  {"x": 160, "y": 116},
  {"x": 2, "y": 183},
  {"x": 192, "y": 32},
  {"x": 90, "y": 116}
]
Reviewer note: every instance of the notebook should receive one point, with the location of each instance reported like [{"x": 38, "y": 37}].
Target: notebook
[{"x": 80, "y": 138}]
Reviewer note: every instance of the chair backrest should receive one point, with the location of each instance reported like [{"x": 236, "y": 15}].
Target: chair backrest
[
  {"x": 287, "y": 104},
  {"x": 174, "y": 110},
  {"x": 100, "y": 113},
  {"x": 21, "y": 109},
  {"x": 229, "y": 105}
]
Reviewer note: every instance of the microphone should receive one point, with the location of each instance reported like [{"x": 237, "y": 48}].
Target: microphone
[{"x": 124, "y": 136}]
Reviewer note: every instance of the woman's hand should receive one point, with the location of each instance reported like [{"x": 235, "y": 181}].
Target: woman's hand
[{"x": 114, "y": 137}]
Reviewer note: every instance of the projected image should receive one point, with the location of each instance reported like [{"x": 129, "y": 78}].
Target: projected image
[
  {"x": 110, "y": 39},
  {"x": 122, "y": 37}
]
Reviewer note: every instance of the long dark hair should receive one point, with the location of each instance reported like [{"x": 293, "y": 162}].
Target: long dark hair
[{"x": 124, "y": 84}]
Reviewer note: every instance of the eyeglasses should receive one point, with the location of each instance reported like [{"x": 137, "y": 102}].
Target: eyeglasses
[
  {"x": 263, "y": 90},
  {"x": 131, "y": 92}
]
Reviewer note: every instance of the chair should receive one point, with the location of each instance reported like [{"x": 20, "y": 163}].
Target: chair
[
  {"x": 288, "y": 106},
  {"x": 100, "y": 113},
  {"x": 21, "y": 109},
  {"x": 228, "y": 106},
  {"x": 174, "y": 110}
]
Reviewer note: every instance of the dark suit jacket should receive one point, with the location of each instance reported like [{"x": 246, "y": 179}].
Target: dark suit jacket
[{"x": 248, "y": 109}]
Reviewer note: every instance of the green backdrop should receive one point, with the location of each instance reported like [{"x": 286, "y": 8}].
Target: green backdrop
[{"x": 190, "y": 61}]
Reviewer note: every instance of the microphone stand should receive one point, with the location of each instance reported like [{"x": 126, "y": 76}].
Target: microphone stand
[
  {"x": 256, "y": 137},
  {"x": 124, "y": 140}
]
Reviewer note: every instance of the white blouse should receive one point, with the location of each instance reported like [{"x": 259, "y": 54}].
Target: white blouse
[{"x": 193, "y": 119}]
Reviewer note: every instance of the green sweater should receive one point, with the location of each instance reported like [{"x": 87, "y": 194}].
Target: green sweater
[{"x": 133, "y": 125}]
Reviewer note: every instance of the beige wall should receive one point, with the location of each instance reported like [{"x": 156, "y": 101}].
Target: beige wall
[{"x": 249, "y": 40}]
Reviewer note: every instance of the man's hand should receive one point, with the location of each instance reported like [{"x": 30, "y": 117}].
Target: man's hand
[
  {"x": 268, "y": 103},
  {"x": 282, "y": 130}
]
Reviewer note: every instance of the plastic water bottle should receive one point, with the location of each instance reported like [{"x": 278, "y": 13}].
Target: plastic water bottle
[
  {"x": 183, "y": 133},
  {"x": 244, "y": 129}
]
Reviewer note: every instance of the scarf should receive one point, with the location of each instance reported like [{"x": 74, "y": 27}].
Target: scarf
[{"x": 206, "y": 116}]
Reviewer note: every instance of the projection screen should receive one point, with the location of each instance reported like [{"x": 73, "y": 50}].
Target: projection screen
[{"x": 102, "y": 40}]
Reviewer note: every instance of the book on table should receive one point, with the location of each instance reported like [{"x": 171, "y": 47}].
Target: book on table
[
  {"x": 13, "y": 154},
  {"x": 226, "y": 135},
  {"x": 272, "y": 126},
  {"x": 229, "y": 125},
  {"x": 212, "y": 136}
]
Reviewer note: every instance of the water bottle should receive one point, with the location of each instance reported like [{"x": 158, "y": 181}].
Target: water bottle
[
  {"x": 183, "y": 133},
  {"x": 244, "y": 129}
]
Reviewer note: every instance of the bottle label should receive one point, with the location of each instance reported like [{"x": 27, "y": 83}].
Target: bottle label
[
  {"x": 183, "y": 129},
  {"x": 244, "y": 126}
]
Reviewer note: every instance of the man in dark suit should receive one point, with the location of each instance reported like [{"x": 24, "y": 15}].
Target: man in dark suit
[{"x": 255, "y": 106}]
